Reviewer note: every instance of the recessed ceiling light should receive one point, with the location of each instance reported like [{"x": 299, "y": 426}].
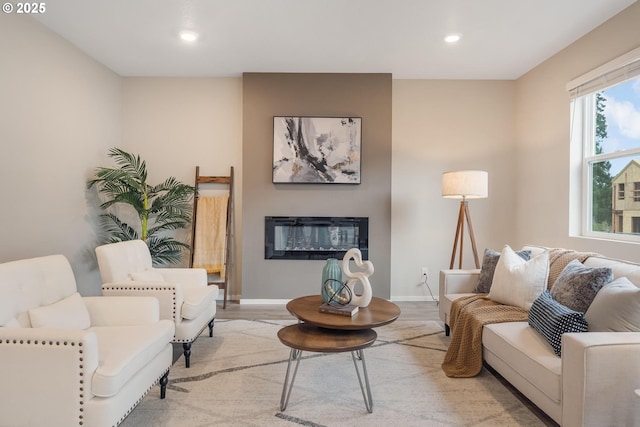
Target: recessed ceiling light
[
  {"x": 188, "y": 36},
  {"x": 452, "y": 38}
]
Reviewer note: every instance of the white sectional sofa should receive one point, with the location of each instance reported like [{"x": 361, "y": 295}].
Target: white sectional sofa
[
  {"x": 66, "y": 360},
  {"x": 592, "y": 383}
]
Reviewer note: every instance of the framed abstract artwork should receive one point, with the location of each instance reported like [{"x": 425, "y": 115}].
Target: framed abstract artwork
[{"x": 316, "y": 150}]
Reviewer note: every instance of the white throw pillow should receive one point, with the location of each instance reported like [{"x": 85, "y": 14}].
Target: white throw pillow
[
  {"x": 518, "y": 282},
  {"x": 147, "y": 276},
  {"x": 616, "y": 308},
  {"x": 68, "y": 313}
]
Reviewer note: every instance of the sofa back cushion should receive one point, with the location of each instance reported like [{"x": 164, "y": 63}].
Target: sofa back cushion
[
  {"x": 117, "y": 261},
  {"x": 620, "y": 268},
  {"x": 31, "y": 283}
]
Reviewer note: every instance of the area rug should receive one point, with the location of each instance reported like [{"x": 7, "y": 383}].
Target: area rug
[{"x": 236, "y": 379}]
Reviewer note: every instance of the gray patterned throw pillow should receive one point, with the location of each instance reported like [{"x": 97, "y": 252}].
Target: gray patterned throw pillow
[
  {"x": 489, "y": 262},
  {"x": 577, "y": 285}
]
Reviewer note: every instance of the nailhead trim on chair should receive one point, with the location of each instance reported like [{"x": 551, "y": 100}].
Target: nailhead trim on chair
[
  {"x": 80, "y": 360},
  {"x": 197, "y": 335},
  {"x": 140, "y": 399}
]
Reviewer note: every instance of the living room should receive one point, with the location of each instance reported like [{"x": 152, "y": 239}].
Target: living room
[{"x": 62, "y": 110}]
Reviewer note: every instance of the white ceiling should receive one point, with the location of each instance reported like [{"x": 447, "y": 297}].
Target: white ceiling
[{"x": 501, "y": 39}]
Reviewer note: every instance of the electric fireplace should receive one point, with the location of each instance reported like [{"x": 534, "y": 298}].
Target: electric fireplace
[{"x": 314, "y": 237}]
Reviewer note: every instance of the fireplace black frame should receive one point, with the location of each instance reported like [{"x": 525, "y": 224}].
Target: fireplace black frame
[{"x": 352, "y": 232}]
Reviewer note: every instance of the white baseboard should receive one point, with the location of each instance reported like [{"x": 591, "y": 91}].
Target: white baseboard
[
  {"x": 284, "y": 301},
  {"x": 414, "y": 298},
  {"x": 263, "y": 301}
]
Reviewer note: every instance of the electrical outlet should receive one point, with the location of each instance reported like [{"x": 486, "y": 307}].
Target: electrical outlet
[{"x": 425, "y": 272}]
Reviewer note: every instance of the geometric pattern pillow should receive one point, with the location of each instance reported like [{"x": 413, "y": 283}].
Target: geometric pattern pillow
[
  {"x": 489, "y": 262},
  {"x": 552, "y": 319},
  {"x": 577, "y": 285}
]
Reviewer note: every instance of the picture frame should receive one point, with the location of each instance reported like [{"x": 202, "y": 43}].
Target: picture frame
[{"x": 317, "y": 150}]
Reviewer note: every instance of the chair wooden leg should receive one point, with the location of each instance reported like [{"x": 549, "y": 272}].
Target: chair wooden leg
[
  {"x": 224, "y": 302},
  {"x": 187, "y": 354},
  {"x": 211, "y": 327}
]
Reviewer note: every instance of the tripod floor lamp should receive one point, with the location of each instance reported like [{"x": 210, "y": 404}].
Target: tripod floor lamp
[{"x": 465, "y": 185}]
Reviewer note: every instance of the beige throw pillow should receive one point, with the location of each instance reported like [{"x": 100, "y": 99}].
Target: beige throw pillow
[
  {"x": 616, "y": 308},
  {"x": 147, "y": 276},
  {"x": 518, "y": 282},
  {"x": 68, "y": 313}
]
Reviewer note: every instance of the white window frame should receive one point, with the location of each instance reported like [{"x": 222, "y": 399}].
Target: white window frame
[{"x": 582, "y": 133}]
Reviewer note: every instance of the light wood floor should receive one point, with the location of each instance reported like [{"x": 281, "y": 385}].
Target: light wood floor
[{"x": 424, "y": 310}]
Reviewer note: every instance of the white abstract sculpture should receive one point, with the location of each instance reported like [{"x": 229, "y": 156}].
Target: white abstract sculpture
[{"x": 358, "y": 276}]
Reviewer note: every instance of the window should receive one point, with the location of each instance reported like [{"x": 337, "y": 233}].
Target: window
[{"x": 605, "y": 150}]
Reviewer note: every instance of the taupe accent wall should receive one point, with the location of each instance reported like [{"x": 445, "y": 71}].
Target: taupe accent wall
[{"x": 299, "y": 94}]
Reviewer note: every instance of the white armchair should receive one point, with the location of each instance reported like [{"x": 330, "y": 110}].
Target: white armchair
[
  {"x": 185, "y": 298},
  {"x": 67, "y": 360}
]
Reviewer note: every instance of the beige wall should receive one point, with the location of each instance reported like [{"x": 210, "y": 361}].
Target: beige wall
[
  {"x": 542, "y": 132},
  {"x": 59, "y": 111},
  {"x": 266, "y": 95},
  {"x": 439, "y": 126},
  {"x": 176, "y": 124}
]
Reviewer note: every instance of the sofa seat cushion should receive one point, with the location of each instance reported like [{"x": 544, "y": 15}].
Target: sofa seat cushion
[
  {"x": 197, "y": 299},
  {"x": 125, "y": 350},
  {"x": 528, "y": 353}
]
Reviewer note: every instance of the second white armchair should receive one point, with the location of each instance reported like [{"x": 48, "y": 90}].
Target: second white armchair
[{"x": 184, "y": 295}]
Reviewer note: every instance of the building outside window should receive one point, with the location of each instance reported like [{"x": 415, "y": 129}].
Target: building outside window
[{"x": 605, "y": 150}]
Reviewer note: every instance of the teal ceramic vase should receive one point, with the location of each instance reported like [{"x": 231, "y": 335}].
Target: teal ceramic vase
[{"x": 331, "y": 279}]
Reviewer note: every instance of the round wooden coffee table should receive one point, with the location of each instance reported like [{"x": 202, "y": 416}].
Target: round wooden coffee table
[{"x": 333, "y": 333}]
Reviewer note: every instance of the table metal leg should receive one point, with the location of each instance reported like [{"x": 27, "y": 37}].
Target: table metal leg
[
  {"x": 368, "y": 400},
  {"x": 286, "y": 393}
]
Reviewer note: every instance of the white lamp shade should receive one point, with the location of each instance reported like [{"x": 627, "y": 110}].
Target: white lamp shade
[{"x": 465, "y": 184}]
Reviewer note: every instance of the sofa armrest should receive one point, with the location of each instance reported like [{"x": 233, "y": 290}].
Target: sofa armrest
[
  {"x": 458, "y": 281},
  {"x": 169, "y": 295},
  {"x": 46, "y": 373},
  {"x": 600, "y": 373},
  {"x": 122, "y": 311},
  {"x": 187, "y": 276}
]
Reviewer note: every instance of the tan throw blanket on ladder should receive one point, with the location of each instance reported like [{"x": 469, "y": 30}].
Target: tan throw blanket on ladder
[
  {"x": 209, "y": 244},
  {"x": 468, "y": 316}
]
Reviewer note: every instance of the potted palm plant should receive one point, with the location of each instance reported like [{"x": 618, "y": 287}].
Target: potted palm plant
[{"x": 160, "y": 208}]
